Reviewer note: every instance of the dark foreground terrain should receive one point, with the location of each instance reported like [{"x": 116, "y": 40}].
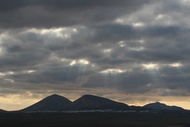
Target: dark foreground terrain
[{"x": 94, "y": 120}]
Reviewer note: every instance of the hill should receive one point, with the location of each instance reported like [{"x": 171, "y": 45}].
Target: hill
[
  {"x": 161, "y": 106},
  {"x": 91, "y": 102},
  {"x": 2, "y": 111},
  {"x": 57, "y": 103},
  {"x": 49, "y": 104}
]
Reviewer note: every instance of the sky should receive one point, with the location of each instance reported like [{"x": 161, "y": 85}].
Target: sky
[{"x": 133, "y": 51}]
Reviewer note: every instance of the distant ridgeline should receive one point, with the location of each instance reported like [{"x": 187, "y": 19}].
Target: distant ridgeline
[
  {"x": 91, "y": 103},
  {"x": 2, "y": 111}
]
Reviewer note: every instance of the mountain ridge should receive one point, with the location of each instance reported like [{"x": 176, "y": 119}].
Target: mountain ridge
[
  {"x": 57, "y": 103},
  {"x": 162, "y": 106},
  {"x": 51, "y": 103},
  {"x": 2, "y": 111},
  {"x": 92, "y": 102}
]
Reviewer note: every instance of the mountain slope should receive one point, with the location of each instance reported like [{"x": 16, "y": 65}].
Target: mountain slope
[
  {"x": 90, "y": 102},
  {"x": 2, "y": 111},
  {"x": 50, "y": 103},
  {"x": 161, "y": 106}
]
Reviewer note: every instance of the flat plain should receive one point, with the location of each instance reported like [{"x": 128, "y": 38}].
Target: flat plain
[{"x": 94, "y": 120}]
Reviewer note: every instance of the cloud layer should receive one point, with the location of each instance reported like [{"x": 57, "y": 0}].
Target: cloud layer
[
  {"x": 57, "y": 13},
  {"x": 137, "y": 47}
]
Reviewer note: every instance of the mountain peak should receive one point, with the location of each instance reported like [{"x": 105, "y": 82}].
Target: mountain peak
[
  {"x": 91, "y": 97},
  {"x": 92, "y": 102},
  {"x": 55, "y": 96},
  {"x": 162, "y": 106},
  {"x": 159, "y": 103},
  {"x": 51, "y": 103}
]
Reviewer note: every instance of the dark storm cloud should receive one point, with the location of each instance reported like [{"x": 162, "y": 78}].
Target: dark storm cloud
[
  {"x": 54, "y": 75},
  {"x": 55, "y": 13},
  {"x": 167, "y": 81},
  {"x": 97, "y": 39},
  {"x": 117, "y": 32},
  {"x": 160, "y": 44},
  {"x": 20, "y": 52},
  {"x": 146, "y": 52},
  {"x": 29, "y": 50},
  {"x": 9, "y": 5},
  {"x": 126, "y": 82}
]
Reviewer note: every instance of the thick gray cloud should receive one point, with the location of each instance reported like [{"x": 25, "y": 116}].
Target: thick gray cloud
[
  {"x": 136, "y": 47},
  {"x": 56, "y": 13}
]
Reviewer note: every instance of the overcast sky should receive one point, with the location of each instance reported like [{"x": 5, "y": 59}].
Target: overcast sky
[{"x": 134, "y": 51}]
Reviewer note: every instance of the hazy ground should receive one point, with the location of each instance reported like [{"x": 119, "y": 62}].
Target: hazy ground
[{"x": 94, "y": 120}]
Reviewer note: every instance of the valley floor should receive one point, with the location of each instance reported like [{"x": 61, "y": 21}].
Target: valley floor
[{"x": 94, "y": 120}]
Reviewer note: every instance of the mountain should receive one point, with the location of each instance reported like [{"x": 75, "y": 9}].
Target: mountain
[
  {"x": 161, "y": 106},
  {"x": 50, "y": 103},
  {"x": 2, "y": 111},
  {"x": 91, "y": 102},
  {"x": 138, "y": 108}
]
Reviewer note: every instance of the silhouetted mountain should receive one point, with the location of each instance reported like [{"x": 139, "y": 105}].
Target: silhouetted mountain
[
  {"x": 50, "y": 103},
  {"x": 2, "y": 111},
  {"x": 90, "y": 102},
  {"x": 161, "y": 106},
  {"x": 138, "y": 108}
]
